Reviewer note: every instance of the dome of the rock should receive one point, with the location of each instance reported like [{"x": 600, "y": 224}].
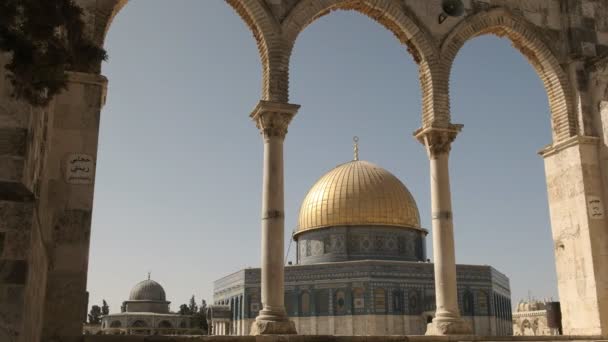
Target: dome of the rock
[{"x": 358, "y": 193}]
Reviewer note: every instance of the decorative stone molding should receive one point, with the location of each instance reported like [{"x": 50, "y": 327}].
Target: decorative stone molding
[
  {"x": 273, "y": 118},
  {"x": 90, "y": 79},
  {"x": 438, "y": 140},
  {"x": 573, "y": 141}
]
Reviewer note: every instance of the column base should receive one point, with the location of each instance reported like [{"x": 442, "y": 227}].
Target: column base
[
  {"x": 263, "y": 327},
  {"x": 456, "y": 326}
]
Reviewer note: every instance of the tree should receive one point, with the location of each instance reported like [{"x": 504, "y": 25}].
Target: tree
[
  {"x": 184, "y": 309},
  {"x": 45, "y": 39},
  {"x": 192, "y": 306},
  {"x": 105, "y": 308},
  {"x": 203, "y": 316},
  {"x": 95, "y": 315}
]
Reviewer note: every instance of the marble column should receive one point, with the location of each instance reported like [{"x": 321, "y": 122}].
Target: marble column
[
  {"x": 447, "y": 319},
  {"x": 272, "y": 119}
]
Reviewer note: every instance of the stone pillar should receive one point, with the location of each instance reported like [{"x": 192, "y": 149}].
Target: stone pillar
[
  {"x": 64, "y": 209},
  {"x": 447, "y": 319},
  {"x": 272, "y": 119},
  {"x": 579, "y": 226}
]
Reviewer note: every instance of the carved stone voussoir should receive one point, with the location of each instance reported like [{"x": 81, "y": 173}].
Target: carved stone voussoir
[
  {"x": 273, "y": 118},
  {"x": 438, "y": 140}
]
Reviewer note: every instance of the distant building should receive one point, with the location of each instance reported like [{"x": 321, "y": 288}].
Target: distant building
[
  {"x": 535, "y": 318},
  {"x": 362, "y": 267},
  {"x": 147, "y": 313}
]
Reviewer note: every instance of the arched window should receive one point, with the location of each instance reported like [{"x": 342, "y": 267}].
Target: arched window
[
  {"x": 339, "y": 303},
  {"x": 397, "y": 301},
  {"x": 115, "y": 324},
  {"x": 254, "y": 304},
  {"x": 290, "y": 300},
  {"x": 414, "y": 306},
  {"x": 322, "y": 302},
  {"x": 379, "y": 300},
  {"x": 139, "y": 324},
  {"x": 482, "y": 302},
  {"x": 468, "y": 303},
  {"x": 165, "y": 325},
  {"x": 358, "y": 298},
  {"x": 305, "y": 303}
]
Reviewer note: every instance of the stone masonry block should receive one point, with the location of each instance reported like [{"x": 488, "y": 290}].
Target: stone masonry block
[
  {"x": 16, "y": 246},
  {"x": 15, "y": 216},
  {"x": 72, "y": 227},
  {"x": 12, "y": 141},
  {"x": 13, "y": 272}
]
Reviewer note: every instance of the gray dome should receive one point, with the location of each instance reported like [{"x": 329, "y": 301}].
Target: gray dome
[{"x": 148, "y": 290}]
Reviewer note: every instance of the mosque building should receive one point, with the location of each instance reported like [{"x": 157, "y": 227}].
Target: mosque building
[
  {"x": 362, "y": 267},
  {"x": 147, "y": 313},
  {"x": 535, "y": 318}
]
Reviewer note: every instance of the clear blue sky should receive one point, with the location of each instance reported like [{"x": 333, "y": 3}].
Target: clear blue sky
[{"x": 179, "y": 172}]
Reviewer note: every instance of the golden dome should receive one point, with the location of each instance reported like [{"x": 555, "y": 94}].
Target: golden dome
[{"x": 358, "y": 193}]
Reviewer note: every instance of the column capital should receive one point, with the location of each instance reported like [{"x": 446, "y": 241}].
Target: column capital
[
  {"x": 576, "y": 140},
  {"x": 90, "y": 79},
  {"x": 437, "y": 140},
  {"x": 272, "y": 118}
]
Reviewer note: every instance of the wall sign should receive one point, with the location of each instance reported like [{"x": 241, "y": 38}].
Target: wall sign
[
  {"x": 595, "y": 207},
  {"x": 79, "y": 169}
]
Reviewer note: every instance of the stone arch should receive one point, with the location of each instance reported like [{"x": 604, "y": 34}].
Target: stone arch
[
  {"x": 266, "y": 32},
  {"x": 304, "y": 303},
  {"x": 164, "y": 324},
  {"x": 468, "y": 303},
  {"x": 257, "y": 17},
  {"x": 391, "y": 14},
  {"x": 139, "y": 324},
  {"x": 524, "y": 38},
  {"x": 380, "y": 300}
]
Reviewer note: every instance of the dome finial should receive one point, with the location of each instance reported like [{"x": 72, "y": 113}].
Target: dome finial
[
  {"x": 149, "y": 273},
  {"x": 356, "y": 147}
]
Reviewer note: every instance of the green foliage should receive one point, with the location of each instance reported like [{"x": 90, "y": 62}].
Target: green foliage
[
  {"x": 202, "y": 313},
  {"x": 105, "y": 308},
  {"x": 184, "y": 310},
  {"x": 198, "y": 313},
  {"x": 95, "y": 315},
  {"x": 45, "y": 39},
  {"x": 192, "y": 306}
]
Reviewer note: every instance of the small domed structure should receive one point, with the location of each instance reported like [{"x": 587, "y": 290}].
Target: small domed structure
[
  {"x": 146, "y": 312},
  {"x": 148, "y": 290},
  {"x": 147, "y": 296}
]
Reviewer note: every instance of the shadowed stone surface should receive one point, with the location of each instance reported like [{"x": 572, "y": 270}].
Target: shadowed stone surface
[{"x": 321, "y": 338}]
